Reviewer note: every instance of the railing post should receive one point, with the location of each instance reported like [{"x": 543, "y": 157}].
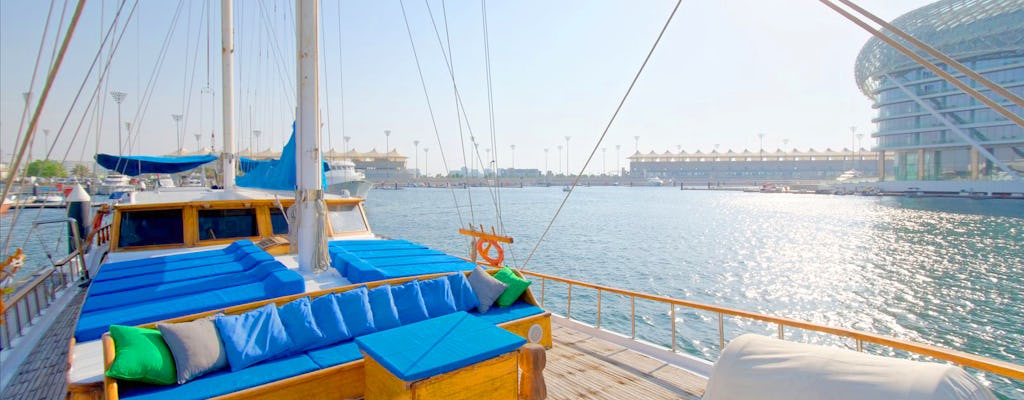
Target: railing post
[
  {"x": 632, "y": 315},
  {"x": 780, "y": 332},
  {"x": 568, "y": 306},
  {"x": 598, "y": 308},
  {"x": 860, "y": 345},
  {"x": 673, "y": 326},
  {"x": 542, "y": 281},
  {"x": 721, "y": 333}
]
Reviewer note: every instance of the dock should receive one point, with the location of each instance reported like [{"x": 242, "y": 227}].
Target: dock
[{"x": 578, "y": 366}]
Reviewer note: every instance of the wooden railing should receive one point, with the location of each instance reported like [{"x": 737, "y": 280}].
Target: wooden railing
[
  {"x": 998, "y": 367},
  {"x": 21, "y": 309}
]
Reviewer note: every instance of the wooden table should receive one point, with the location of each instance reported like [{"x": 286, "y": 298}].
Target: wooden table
[{"x": 456, "y": 356}]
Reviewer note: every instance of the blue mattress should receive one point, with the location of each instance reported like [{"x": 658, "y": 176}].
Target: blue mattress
[
  {"x": 100, "y": 300},
  {"x": 372, "y": 260},
  {"x": 222, "y": 382},
  {"x": 182, "y": 286},
  {"x": 244, "y": 246},
  {"x": 437, "y": 345}
]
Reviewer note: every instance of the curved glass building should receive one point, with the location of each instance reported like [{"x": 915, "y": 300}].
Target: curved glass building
[{"x": 923, "y": 121}]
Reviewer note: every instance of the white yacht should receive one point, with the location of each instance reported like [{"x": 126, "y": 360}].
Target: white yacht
[
  {"x": 343, "y": 177},
  {"x": 115, "y": 183}
]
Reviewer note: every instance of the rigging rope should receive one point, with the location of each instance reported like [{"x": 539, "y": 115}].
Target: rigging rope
[
  {"x": 430, "y": 107},
  {"x": 21, "y": 125},
  {"x": 458, "y": 112},
  {"x": 51, "y": 76},
  {"x": 604, "y": 133},
  {"x": 88, "y": 73}
]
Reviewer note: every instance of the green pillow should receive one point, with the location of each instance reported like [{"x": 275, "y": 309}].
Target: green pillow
[
  {"x": 141, "y": 355},
  {"x": 516, "y": 286}
]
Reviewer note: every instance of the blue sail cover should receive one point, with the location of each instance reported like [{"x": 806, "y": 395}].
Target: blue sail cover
[
  {"x": 274, "y": 174},
  {"x": 246, "y": 164},
  {"x": 138, "y": 165}
]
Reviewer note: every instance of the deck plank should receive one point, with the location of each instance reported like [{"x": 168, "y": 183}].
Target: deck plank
[
  {"x": 580, "y": 366},
  {"x": 43, "y": 375}
]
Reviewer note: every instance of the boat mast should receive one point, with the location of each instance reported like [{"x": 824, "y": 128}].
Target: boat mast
[
  {"x": 227, "y": 54},
  {"x": 311, "y": 238}
]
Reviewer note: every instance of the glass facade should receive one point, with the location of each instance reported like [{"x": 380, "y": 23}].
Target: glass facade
[{"x": 923, "y": 121}]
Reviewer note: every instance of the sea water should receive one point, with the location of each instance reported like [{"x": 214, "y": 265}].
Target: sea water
[
  {"x": 943, "y": 271},
  {"x": 948, "y": 272}
]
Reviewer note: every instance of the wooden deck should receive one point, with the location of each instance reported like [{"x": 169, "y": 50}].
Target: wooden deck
[
  {"x": 580, "y": 366},
  {"x": 43, "y": 375}
]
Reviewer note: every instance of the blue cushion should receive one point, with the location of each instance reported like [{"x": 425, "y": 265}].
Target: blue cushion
[
  {"x": 336, "y": 354},
  {"x": 465, "y": 297},
  {"x": 329, "y": 320},
  {"x": 101, "y": 301},
  {"x": 159, "y": 267},
  {"x": 297, "y": 317},
  {"x": 224, "y": 381},
  {"x": 252, "y": 337},
  {"x": 162, "y": 276},
  {"x": 242, "y": 246},
  {"x": 279, "y": 283},
  {"x": 437, "y": 345},
  {"x": 355, "y": 309},
  {"x": 437, "y": 297},
  {"x": 382, "y": 307},
  {"x": 499, "y": 315},
  {"x": 409, "y": 302}
]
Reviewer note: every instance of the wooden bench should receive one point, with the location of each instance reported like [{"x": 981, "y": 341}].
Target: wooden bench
[{"x": 342, "y": 381}]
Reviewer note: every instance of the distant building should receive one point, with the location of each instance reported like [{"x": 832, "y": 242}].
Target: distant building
[
  {"x": 377, "y": 166},
  {"x": 752, "y": 165},
  {"x": 923, "y": 119},
  {"x": 519, "y": 173}
]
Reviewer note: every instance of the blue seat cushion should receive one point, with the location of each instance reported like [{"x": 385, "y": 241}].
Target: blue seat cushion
[
  {"x": 244, "y": 246},
  {"x": 335, "y": 354},
  {"x": 279, "y": 283},
  {"x": 437, "y": 345},
  {"x": 355, "y": 309},
  {"x": 252, "y": 337},
  {"x": 159, "y": 265},
  {"x": 382, "y": 307},
  {"x": 409, "y": 302},
  {"x": 224, "y": 381},
  {"x": 437, "y": 297},
  {"x": 500, "y": 315},
  {"x": 329, "y": 319},
  {"x": 366, "y": 272},
  {"x": 177, "y": 275},
  {"x": 302, "y": 329},
  {"x": 465, "y": 297},
  {"x": 100, "y": 301}
]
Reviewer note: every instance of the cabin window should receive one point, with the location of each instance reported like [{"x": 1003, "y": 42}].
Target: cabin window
[
  {"x": 278, "y": 221},
  {"x": 346, "y": 218},
  {"x": 149, "y": 228},
  {"x": 224, "y": 224}
]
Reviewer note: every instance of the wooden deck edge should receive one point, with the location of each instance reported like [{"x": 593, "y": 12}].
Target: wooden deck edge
[{"x": 694, "y": 365}]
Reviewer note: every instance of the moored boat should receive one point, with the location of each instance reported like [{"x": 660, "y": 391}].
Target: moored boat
[{"x": 168, "y": 257}]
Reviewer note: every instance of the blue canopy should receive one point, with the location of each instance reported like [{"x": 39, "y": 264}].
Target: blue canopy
[
  {"x": 274, "y": 174},
  {"x": 246, "y": 164},
  {"x": 138, "y": 165}
]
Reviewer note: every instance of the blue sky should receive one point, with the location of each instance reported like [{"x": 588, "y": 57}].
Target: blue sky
[{"x": 725, "y": 72}]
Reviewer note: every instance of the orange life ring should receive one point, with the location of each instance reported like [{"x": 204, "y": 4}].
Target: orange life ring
[{"x": 483, "y": 248}]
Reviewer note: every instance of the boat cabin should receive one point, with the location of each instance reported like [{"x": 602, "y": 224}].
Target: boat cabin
[{"x": 212, "y": 218}]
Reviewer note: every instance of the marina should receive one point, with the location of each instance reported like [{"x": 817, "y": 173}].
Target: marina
[{"x": 281, "y": 275}]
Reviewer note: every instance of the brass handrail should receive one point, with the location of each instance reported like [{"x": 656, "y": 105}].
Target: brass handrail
[{"x": 987, "y": 364}]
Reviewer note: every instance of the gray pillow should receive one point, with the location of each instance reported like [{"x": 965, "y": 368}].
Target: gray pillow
[
  {"x": 196, "y": 348},
  {"x": 487, "y": 288}
]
